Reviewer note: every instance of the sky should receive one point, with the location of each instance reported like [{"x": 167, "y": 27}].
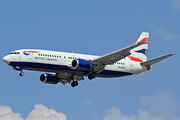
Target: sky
[{"x": 97, "y": 28}]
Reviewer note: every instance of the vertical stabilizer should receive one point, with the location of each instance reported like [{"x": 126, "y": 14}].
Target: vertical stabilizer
[{"x": 139, "y": 54}]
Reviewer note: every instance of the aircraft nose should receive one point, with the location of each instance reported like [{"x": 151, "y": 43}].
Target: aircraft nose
[{"x": 6, "y": 59}]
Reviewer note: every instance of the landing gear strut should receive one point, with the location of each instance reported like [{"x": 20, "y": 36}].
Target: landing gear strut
[
  {"x": 21, "y": 73},
  {"x": 74, "y": 83}
]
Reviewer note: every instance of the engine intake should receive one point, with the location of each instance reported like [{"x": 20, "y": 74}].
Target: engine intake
[
  {"x": 81, "y": 64},
  {"x": 49, "y": 78}
]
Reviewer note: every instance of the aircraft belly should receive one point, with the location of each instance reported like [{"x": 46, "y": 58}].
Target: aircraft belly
[
  {"x": 45, "y": 67},
  {"x": 111, "y": 74},
  {"x": 64, "y": 68}
]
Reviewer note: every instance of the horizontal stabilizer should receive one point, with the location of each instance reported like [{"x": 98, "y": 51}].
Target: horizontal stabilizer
[{"x": 153, "y": 61}]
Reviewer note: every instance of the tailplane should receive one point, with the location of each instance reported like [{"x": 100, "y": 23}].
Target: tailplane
[
  {"x": 139, "y": 54},
  {"x": 153, "y": 61}
]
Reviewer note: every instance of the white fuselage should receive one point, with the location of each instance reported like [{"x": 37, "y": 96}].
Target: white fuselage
[{"x": 59, "y": 62}]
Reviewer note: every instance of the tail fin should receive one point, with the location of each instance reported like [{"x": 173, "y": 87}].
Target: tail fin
[{"x": 139, "y": 54}]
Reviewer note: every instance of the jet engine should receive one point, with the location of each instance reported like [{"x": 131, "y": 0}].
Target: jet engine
[
  {"x": 49, "y": 78},
  {"x": 80, "y": 64}
]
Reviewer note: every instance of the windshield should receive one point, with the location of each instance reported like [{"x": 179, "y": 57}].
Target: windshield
[
  {"x": 11, "y": 53},
  {"x": 14, "y": 53}
]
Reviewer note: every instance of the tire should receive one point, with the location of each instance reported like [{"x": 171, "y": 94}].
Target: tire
[
  {"x": 76, "y": 83},
  {"x": 21, "y": 74},
  {"x": 72, "y": 84},
  {"x": 91, "y": 76}
]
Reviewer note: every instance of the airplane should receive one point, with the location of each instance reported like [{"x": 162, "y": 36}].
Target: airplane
[{"x": 71, "y": 68}]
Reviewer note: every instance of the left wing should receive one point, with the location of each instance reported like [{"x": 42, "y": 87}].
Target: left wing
[
  {"x": 114, "y": 56},
  {"x": 108, "y": 59}
]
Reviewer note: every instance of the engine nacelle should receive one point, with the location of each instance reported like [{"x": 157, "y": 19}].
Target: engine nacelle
[
  {"x": 81, "y": 64},
  {"x": 49, "y": 78}
]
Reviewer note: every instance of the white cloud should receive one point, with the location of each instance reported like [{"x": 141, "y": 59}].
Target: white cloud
[
  {"x": 169, "y": 37},
  {"x": 161, "y": 104},
  {"x": 6, "y": 113},
  {"x": 115, "y": 114},
  {"x": 156, "y": 107},
  {"x": 176, "y": 4},
  {"x": 166, "y": 34},
  {"x": 87, "y": 102},
  {"x": 40, "y": 112},
  {"x": 159, "y": 107}
]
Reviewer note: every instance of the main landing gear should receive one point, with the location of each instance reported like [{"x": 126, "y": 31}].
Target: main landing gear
[
  {"x": 74, "y": 83},
  {"x": 21, "y": 73},
  {"x": 91, "y": 76}
]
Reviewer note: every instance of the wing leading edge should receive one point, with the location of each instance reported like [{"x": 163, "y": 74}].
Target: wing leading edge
[{"x": 114, "y": 56}]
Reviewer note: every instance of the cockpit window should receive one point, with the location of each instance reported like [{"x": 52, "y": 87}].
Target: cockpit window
[{"x": 14, "y": 53}]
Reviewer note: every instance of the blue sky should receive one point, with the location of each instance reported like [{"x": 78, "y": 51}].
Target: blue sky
[{"x": 97, "y": 28}]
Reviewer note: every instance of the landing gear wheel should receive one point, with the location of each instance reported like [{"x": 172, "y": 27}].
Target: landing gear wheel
[
  {"x": 91, "y": 76},
  {"x": 21, "y": 74},
  {"x": 74, "y": 83}
]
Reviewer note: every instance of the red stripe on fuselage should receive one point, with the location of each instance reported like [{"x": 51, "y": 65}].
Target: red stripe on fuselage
[
  {"x": 31, "y": 52},
  {"x": 144, "y": 40},
  {"x": 134, "y": 59}
]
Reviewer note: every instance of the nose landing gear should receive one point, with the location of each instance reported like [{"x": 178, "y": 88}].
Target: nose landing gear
[
  {"x": 19, "y": 69},
  {"x": 21, "y": 73}
]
